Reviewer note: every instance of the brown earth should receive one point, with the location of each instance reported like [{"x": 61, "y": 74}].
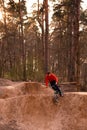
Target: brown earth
[{"x": 29, "y": 106}]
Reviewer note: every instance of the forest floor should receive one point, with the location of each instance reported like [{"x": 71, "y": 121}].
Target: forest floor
[{"x": 30, "y": 106}]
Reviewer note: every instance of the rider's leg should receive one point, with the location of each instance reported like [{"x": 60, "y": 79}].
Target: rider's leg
[{"x": 57, "y": 89}]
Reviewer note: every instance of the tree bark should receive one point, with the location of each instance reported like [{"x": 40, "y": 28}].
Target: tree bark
[
  {"x": 22, "y": 43},
  {"x": 46, "y": 36},
  {"x": 76, "y": 42}
]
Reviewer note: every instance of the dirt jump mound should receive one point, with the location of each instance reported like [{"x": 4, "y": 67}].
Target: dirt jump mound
[{"x": 29, "y": 106}]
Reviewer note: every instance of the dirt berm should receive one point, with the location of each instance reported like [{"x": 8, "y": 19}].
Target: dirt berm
[{"x": 29, "y": 106}]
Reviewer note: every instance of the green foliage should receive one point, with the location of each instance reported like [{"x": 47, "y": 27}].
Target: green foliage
[
  {"x": 16, "y": 7},
  {"x": 83, "y": 17}
]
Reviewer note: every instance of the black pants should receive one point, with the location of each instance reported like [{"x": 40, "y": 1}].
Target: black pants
[{"x": 55, "y": 87}]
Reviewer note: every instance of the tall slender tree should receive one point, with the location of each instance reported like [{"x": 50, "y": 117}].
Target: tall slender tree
[
  {"x": 46, "y": 35},
  {"x": 76, "y": 41},
  {"x": 22, "y": 41}
]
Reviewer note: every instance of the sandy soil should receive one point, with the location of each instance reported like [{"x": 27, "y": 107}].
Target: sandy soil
[{"x": 30, "y": 106}]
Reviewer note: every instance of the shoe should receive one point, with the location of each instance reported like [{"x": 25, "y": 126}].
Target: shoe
[
  {"x": 56, "y": 92},
  {"x": 61, "y": 95}
]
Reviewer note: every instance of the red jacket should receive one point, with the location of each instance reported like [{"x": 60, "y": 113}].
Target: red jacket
[{"x": 50, "y": 78}]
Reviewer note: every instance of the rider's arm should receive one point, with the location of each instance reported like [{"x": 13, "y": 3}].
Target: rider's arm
[{"x": 46, "y": 81}]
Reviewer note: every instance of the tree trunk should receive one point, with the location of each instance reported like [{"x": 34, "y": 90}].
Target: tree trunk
[
  {"x": 22, "y": 43},
  {"x": 46, "y": 35},
  {"x": 76, "y": 42}
]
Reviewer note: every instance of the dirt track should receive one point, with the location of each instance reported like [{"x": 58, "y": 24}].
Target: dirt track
[{"x": 29, "y": 106}]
